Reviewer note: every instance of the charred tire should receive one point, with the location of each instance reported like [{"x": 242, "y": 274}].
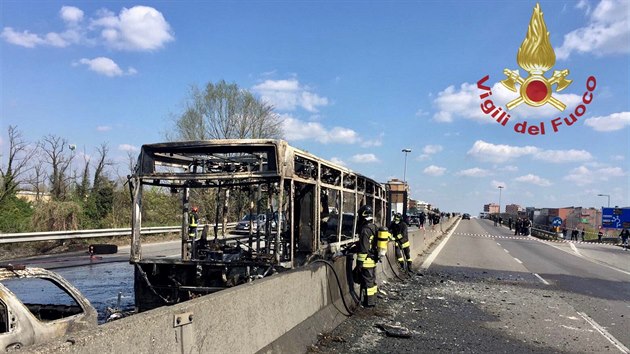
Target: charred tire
[{"x": 104, "y": 248}]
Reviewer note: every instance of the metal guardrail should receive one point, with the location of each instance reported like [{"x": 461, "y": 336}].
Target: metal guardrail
[
  {"x": 546, "y": 233},
  {"x": 74, "y": 234}
]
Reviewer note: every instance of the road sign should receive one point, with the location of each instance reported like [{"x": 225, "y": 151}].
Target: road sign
[
  {"x": 615, "y": 218},
  {"x": 557, "y": 221}
]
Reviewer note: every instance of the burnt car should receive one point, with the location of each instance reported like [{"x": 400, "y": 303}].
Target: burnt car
[{"x": 37, "y": 306}]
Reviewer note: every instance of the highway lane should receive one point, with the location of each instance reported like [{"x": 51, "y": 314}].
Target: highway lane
[{"x": 593, "y": 280}]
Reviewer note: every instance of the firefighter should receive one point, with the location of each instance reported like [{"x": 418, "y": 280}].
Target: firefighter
[
  {"x": 193, "y": 222},
  {"x": 398, "y": 229},
  {"x": 368, "y": 255}
]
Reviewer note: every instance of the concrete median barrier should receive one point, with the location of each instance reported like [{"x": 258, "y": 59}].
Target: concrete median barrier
[{"x": 279, "y": 314}]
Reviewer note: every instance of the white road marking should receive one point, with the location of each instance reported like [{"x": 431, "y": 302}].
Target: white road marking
[
  {"x": 541, "y": 279},
  {"x": 518, "y": 260},
  {"x": 605, "y": 333},
  {"x": 427, "y": 263},
  {"x": 498, "y": 244},
  {"x": 575, "y": 250},
  {"x": 587, "y": 258},
  {"x": 506, "y": 251}
]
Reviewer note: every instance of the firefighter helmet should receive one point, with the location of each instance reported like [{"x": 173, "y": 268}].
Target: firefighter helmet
[{"x": 365, "y": 212}]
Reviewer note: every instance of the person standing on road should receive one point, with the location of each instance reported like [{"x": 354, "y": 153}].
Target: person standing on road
[
  {"x": 421, "y": 220},
  {"x": 510, "y": 222},
  {"x": 527, "y": 224},
  {"x": 517, "y": 226},
  {"x": 564, "y": 232},
  {"x": 582, "y": 234},
  {"x": 367, "y": 256},
  {"x": 193, "y": 222},
  {"x": 600, "y": 234},
  {"x": 625, "y": 234},
  {"x": 398, "y": 229}
]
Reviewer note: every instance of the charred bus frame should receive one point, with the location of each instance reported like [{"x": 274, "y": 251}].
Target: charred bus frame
[{"x": 311, "y": 206}]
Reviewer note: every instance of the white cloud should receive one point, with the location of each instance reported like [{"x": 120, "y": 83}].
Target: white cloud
[
  {"x": 434, "y": 170},
  {"x": 127, "y": 147},
  {"x": 287, "y": 95},
  {"x": 24, "y": 39},
  {"x": 378, "y": 141},
  {"x": 608, "y": 31},
  {"x": 295, "y": 129},
  {"x": 465, "y": 103},
  {"x": 582, "y": 175},
  {"x": 489, "y": 152},
  {"x": 432, "y": 149},
  {"x": 139, "y": 28},
  {"x": 71, "y": 15},
  {"x": 617, "y": 157},
  {"x": 609, "y": 123},
  {"x": 533, "y": 179},
  {"x": 474, "y": 172},
  {"x": 338, "y": 161},
  {"x": 421, "y": 113},
  {"x": 364, "y": 158},
  {"x": 560, "y": 156},
  {"x": 103, "y": 128},
  {"x": 105, "y": 66},
  {"x": 508, "y": 168},
  {"x": 484, "y": 151},
  {"x": 584, "y": 5}
]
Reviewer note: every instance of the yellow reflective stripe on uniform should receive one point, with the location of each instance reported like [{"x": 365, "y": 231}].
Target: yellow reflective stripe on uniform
[
  {"x": 401, "y": 259},
  {"x": 405, "y": 245},
  {"x": 372, "y": 291},
  {"x": 361, "y": 257},
  {"x": 399, "y": 236},
  {"x": 369, "y": 263}
]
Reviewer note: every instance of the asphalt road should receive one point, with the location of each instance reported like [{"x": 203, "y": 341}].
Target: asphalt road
[{"x": 485, "y": 290}]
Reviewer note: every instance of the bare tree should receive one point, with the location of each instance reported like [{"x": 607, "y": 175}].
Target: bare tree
[
  {"x": 225, "y": 111},
  {"x": 17, "y": 163},
  {"x": 58, "y": 155},
  {"x": 84, "y": 187},
  {"x": 38, "y": 174},
  {"x": 103, "y": 161}
]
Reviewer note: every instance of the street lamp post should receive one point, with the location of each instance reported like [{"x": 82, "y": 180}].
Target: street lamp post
[
  {"x": 500, "y": 189},
  {"x": 607, "y": 196},
  {"x": 406, "y": 151}
]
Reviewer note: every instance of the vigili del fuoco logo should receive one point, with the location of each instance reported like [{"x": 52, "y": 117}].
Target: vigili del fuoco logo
[{"x": 536, "y": 57}]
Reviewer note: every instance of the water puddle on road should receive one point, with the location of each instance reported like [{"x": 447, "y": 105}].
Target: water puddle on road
[{"x": 101, "y": 284}]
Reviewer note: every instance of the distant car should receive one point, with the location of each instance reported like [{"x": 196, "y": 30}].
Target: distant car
[
  {"x": 413, "y": 220},
  {"x": 466, "y": 216}
]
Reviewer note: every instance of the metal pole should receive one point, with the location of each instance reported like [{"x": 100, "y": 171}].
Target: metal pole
[
  {"x": 500, "y": 189},
  {"x": 405, "y": 171},
  {"x": 607, "y": 196}
]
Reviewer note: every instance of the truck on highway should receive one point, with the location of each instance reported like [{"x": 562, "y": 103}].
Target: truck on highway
[{"x": 37, "y": 305}]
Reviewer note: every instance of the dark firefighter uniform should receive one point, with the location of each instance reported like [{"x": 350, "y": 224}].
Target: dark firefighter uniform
[
  {"x": 193, "y": 222},
  {"x": 398, "y": 229},
  {"x": 367, "y": 256}
]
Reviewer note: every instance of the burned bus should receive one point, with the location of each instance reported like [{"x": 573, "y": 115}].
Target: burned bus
[{"x": 298, "y": 208}]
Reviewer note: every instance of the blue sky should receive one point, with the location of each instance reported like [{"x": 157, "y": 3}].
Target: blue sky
[{"x": 355, "y": 82}]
